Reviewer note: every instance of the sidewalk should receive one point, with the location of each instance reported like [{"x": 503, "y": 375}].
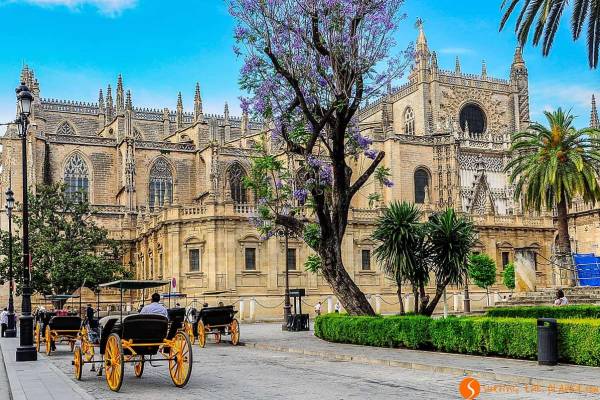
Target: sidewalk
[
  {"x": 39, "y": 380},
  {"x": 577, "y": 378}
]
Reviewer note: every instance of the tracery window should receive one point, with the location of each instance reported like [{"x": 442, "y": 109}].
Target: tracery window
[
  {"x": 409, "y": 121},
  {"x": 137, "y": 134},
  {"x": 161, "y": 184},
  {"x": 421, "y": 185},
  {"x": 76, "y": 178},
  {"x": 474, "y": 116},
  {"x": 236, "y": 184},
  {"x": 65, "y": 129}
]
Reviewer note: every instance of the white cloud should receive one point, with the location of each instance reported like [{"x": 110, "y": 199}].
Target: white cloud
[
  {"x": 107, "y": 7},
  {"x": 455, "y": 50},
  {"x": 563, "y": 95}
]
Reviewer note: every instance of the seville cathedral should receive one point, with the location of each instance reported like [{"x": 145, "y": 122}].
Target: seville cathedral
[{"x": 168, "y": 183}]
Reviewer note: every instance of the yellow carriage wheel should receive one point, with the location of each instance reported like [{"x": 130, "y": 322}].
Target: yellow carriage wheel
[
  {"x": 201, "y": 334},
  {"x": 181, "y": 360},
  {"x": 113, "y": 362},
  {"x": 87, "y": 348},
  {"x": 234, "y": 331},
  {"x": 38, "y": 337},
  {"x": 138, "y": 367},
  {"x": 189, "y": 329},
  {"x": 48, "y": 339},
  {"x": 77, "y": 362}
]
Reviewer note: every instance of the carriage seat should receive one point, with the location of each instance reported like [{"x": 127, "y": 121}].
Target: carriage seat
[
  {"x": 145, "y": 328},
  {"x": 176, "y": 318},
  {"x": 65, "y": 323},
  {"x": 215, "y": 316}
]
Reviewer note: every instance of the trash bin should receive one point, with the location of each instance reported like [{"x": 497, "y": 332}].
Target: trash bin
[{"x": 547, "y": 341}]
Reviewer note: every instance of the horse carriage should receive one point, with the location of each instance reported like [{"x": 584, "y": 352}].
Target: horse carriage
[
  {"x": 51, "y": 327},
  {"x": 218, "y": 321},
  {"x": 187, "y": 323},
  {"x": 136, "y": 339}
]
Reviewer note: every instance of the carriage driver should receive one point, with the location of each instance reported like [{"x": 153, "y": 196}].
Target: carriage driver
[{"x": 155, "y": 307}]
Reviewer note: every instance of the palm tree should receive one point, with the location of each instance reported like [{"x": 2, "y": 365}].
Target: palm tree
[
  {"x": 400, "y": 236},
  {"x": 451, "y": 238},
  {"x": 546, "y": 15},
  {"x": 551, "y": 165}
]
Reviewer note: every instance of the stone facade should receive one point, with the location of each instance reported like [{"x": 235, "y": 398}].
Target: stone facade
[{"x": 167, "y": 183}]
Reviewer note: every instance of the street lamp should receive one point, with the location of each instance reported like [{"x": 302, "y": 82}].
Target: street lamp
[
  {"x": 10, "y": 204},
  {"x": 26, "y": 351}
]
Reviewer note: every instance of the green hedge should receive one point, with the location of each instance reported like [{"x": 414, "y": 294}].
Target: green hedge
[
  {"x": 577, "y": 311},
  {"x": 579, "y": 339}
]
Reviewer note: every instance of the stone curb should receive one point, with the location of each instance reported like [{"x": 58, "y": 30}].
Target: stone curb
[
  {"x": 441, "y": 369},
  {"x": 16, "y": 391}
]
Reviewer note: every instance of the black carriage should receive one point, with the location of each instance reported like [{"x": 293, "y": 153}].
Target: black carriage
[
  {"x": 137, "y": 339},
  {"x": 52, "y": 328},
  {"x": 218, "y": 321}
]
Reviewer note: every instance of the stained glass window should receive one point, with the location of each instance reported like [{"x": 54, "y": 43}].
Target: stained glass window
[
  {"x": 409, "y": 121},
  {"x": 76, "y": 178},
  {"x": 474, "y": 116},
  {"x": 236, "y": 184},
  {"x": 161, "y": 184},
  {"x": 421, "y": 184}
]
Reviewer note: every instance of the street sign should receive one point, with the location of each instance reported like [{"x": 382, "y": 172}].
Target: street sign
[
  {"x": 173, "y": 283},
  {"x": 297, "y": 292}
]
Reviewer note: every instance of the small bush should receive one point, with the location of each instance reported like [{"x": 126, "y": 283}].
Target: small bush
[
  {"x": 578, "y": 339},
  {"x": 576, "y": 311}
]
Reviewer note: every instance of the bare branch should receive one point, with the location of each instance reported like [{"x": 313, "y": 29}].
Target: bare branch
[{"x": 365, "y": 176}]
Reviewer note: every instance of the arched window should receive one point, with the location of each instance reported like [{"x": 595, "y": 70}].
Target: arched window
[
  {"x": 65, "y": 129},
  {"x": 421, "y": 185},
  {"x": 236, "y": 184},
  {"x": 409, "y": 121},
  {"x": 473, "y": 116},
  {"x": 76, "y": 178},
  {"x": 161, "y": 184}
]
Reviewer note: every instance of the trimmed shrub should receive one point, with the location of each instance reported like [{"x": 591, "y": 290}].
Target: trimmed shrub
[
  {"x": 575, "y": 311},
  {"x": 579, "y": 339}
]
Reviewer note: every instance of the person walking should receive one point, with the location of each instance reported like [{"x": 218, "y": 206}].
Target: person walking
[
  {"x": 318, "y": 308},
  {"x": 3, "y": 321},
  {"x": 338, "y": 307}
]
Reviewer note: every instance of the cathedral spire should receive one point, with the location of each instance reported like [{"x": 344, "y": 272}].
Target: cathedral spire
[
  {"x": 422, "y": 50},
  {"x": 245, "y": 123},
  {"x": 518, "y": 57},
  {"x": 483, "y": 69},
  {"x": 226, "y": 113},
  {"x": 128, "y": 103},
  {"x": 120, "y": 99},
  {"x": 198, "y": 115},
  {"x": 594, "y": 122},
  {"x": 179, "y": 111},
  {"x": 434, "y": 61},
  {"x": 101, "y": 101},
  {"x": 457, "y": 65},
  {"x": 109, "y": 104}
]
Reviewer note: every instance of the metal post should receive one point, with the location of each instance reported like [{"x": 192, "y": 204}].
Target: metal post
[
  {"x": 26, "y": 351},
  {"x": 11, "y": 331},
  {"x": 286, "y": 306},
  {"x": 467, "y": 300}
]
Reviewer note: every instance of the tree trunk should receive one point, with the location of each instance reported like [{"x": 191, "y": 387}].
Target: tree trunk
[
  {"x": 399, "y": 292},
  {"x": 415, "y": 290},
  {"x": 564, "y": 242},
  {"x": 563, "y": 251},
  {"x": 352, "y": 298},
  {"x": 439, "y": 291}
]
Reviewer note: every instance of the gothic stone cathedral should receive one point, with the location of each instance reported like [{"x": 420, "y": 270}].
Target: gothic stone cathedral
[{"x": 169, "y": 183}]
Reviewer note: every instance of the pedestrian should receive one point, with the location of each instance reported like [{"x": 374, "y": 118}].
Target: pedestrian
[
  {"x": 3, "y": 321},
  {"x": 318, "y": 309},
  {"x": 561, "y": 299},
  {"x": 338, "y": 307}
]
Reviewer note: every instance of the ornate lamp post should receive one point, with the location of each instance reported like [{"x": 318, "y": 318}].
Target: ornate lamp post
[
  {"x": 10, "y": 203},
  {"x": 26, "y": 351},
  {"x": 286, "y": 303}
]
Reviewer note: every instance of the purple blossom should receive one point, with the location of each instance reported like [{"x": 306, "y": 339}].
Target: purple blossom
[
  {"x": 326, "y": 175},
  {"x": 278, "y": 183},
  {"x": 301, "y": 195},
  {"x": 362, "y": 141},
  {"x": 387, "y": 182},
  {"x": 370, "y": 153}
]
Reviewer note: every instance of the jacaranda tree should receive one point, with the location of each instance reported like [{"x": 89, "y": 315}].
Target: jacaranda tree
[{"x": 308, "y": 66}]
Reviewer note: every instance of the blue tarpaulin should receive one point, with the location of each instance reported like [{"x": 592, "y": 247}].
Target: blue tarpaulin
[{"x": 588, "y": 269}]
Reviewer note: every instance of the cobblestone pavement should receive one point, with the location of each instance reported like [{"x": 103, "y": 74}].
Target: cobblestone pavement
[{"x": 245, "y": 373}]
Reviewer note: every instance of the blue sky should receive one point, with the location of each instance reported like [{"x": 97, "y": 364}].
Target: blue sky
[{"x": 162, "y": 47}]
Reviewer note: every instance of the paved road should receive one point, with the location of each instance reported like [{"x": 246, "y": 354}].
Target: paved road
[{"x": 244, "y": 373}]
